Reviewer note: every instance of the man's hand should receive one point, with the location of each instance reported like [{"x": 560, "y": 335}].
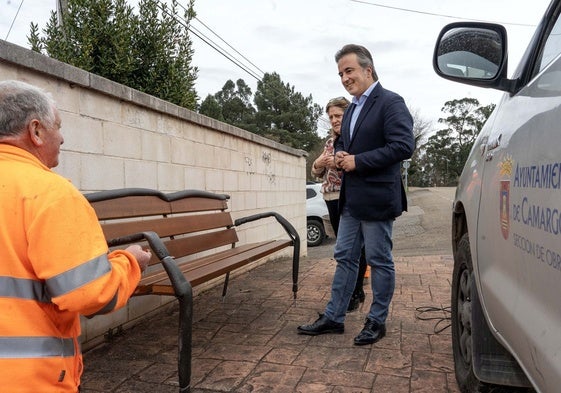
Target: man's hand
[
  {"x": 142, "y": 257},
  {"x": 345, "y": 161}
]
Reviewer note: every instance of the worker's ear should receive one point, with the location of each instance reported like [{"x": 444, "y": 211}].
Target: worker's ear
[{"x": 35, "y": 131}]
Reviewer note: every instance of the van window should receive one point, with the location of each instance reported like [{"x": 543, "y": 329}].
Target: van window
[{"x": 552, "y": 47}]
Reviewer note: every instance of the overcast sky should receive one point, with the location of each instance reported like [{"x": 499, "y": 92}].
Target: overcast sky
[{"x": 298, "y": 39}]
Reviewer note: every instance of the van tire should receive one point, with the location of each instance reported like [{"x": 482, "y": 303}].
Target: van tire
[
  {"x": 461, "y": 308},
  {"x": 461, "y": 319}
]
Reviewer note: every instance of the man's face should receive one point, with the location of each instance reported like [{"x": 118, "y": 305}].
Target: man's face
[
  {"x": 354, "y": 78},
  {"x": 51, "y": 139}
]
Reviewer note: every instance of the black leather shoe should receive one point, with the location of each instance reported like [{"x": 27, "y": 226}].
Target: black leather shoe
[
  {"x": 321, "y": 326},
  {"x": 372, "y": 332}
]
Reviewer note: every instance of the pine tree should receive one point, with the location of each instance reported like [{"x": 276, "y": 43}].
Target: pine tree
[
  {"x": 284, "y": 114},
  {"x": 150, "y": 52}
]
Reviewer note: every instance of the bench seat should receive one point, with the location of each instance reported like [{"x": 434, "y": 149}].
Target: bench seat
[{"x": 207, "y": 268}]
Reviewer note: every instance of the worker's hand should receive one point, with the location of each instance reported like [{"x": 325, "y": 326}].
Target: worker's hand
[{"x": 142, "y": 256}]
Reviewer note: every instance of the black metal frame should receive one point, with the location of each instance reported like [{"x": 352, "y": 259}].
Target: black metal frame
[
  {"x": 291, "y": 233},
  {"x": 184, "y": 294}
]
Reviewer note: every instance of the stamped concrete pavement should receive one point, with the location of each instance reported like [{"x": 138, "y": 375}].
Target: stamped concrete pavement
[{"x": 248, "y": 341}]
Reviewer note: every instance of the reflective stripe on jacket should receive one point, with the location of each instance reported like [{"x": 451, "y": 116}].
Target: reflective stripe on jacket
[{"x": 54, "y": 267}]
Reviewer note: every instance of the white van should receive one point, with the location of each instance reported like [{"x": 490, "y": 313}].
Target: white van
[{"x": 506, "y": 233}]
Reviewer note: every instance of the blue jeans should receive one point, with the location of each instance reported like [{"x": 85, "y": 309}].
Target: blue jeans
[{"x": 377, "y": 239}]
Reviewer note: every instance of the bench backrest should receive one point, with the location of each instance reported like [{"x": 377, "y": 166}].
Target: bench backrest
[{"x": 189, "y": 221}]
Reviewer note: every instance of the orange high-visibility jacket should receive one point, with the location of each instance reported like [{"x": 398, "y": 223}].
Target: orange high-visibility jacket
[{"x": 54, "y": 266}]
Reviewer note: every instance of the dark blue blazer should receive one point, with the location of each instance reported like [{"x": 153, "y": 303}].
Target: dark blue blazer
[{"x": 382, "y": 139}]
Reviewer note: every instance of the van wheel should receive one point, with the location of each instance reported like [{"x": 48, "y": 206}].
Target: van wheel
[
  {"x": 461, "y": 319},
  {"x": 461, "y": 326},
  {"x": 316, "y": 232}
]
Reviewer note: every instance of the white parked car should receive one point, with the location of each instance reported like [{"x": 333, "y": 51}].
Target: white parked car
[
  {"x": 506, "y": 219},
  {"x": 316, "y": 209}
]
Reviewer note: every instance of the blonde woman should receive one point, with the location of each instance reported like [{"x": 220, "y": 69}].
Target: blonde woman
[{"x": 324, "y": 168}]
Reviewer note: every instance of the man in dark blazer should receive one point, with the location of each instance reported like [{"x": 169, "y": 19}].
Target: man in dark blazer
[{"x": 376, "y": 136}]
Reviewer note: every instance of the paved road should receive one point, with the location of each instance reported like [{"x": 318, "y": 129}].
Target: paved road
[{"x": 423, "y": 230}]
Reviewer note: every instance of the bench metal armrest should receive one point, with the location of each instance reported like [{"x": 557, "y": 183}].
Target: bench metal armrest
[
  {"x": 292, "y": 233},
  {"x": 283, "y": 221},
  {"x": 184, "y": 293},
  {"x": 180, "y": 284}
]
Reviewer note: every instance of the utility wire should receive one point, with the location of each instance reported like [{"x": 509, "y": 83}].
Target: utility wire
[
  {"x": 196, "y": 32},
  {"x": 209, "y": 42},
  {"x": 13, "y": 21},
  {"x": 435, "y": 14},
  {"x": 222, "y": 50},
  {"x": 321, "y": 119},
  {"x": 234, "y": 49}
]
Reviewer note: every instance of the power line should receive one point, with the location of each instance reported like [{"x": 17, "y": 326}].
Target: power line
[
  {"x": 232, "y": 58},
  {"x": 435, "y": 14},
  {"x": 222, "y": 51},
  {"x": 234, "y": 49},
  {"x": 13, "y": 20},
  {"x": 209, "y": 42},
  {"x": 320, "y": 119}
]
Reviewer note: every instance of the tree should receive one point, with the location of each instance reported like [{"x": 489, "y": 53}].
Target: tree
[
  {"x": 285, "y": 115},
  {"x": 416, "y": 174},
  {"x": 150, "y": 52},
  {"x": 211, "y": 108},
  {"x": 463, "y": 122},
  {"x": 446, "y": 152},
  {"x": 231, "y": 105},
  {"x": 279, "y": 112},
  {"x": 442, "y": 164}
]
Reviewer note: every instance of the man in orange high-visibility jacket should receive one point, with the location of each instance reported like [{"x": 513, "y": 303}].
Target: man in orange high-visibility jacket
[{"x": 54, "y": 261}]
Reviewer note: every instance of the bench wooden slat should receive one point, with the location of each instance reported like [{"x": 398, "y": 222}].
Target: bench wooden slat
[
  {"x": 131, "y": 206},
  {"x": 169, "y": 226},
  {"x": 217, "y": 269},
  {"x": 189, "y": 245},
  {"x": 150, "y": 205},
  {"x": 185, "y": 246},
  {"x": 161, "y": 276},
  {"x": 197, "y": 204},
  {"x": 212, "y": 266}
]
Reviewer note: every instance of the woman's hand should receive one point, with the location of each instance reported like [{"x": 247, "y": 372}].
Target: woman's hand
[{"x": 326, "y": 161}]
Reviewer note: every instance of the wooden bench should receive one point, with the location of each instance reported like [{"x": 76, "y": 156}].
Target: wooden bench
[{"x": 193, "y": 236}]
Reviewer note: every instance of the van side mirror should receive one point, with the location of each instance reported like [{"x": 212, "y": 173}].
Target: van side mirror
[{"x": 472, "y": 53}]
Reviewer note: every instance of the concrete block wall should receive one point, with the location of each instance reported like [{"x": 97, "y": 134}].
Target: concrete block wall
[{"x": 118, "y": 137}]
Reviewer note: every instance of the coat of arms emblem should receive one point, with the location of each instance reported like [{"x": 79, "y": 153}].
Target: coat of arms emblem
[{"x": 504, "y": 193}]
